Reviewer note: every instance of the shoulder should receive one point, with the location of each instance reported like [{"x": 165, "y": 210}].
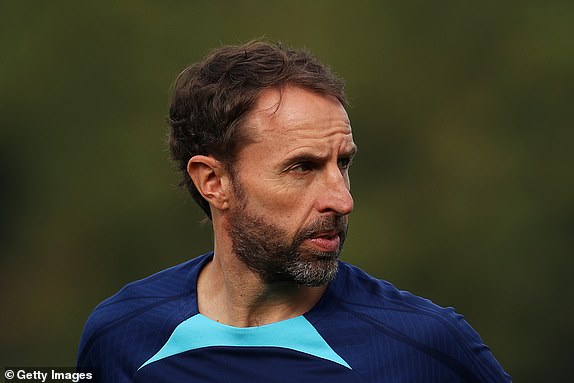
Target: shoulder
[
  {"x": 365, "y": 293},
  {"x": 135, "y": 297},
  {"x": 120, "y": 329},
  {"x": 380, "y": 304},
  {"x": 405, "y": 324}
]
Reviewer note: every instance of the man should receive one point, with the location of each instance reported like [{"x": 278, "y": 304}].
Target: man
[{"x": 264, "y": 144}]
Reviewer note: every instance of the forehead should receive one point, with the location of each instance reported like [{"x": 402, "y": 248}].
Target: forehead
[{"x": 293, "y": 116}]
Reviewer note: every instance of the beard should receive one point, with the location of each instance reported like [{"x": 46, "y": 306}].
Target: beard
[{"x": 267, "y": 249}]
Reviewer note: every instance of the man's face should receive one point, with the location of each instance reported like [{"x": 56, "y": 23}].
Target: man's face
[{"x": 288, "y": 219}]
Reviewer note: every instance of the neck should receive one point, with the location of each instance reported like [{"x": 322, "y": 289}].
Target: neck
[{"x": 231, "y": 293}]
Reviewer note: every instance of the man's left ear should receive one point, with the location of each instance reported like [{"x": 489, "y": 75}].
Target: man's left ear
[{"x": 211, "y": 179}]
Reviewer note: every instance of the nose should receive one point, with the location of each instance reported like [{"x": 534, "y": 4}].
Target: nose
[{"x": 335, "y": 195}]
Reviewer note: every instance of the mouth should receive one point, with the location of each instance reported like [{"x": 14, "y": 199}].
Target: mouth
[{"x": 326, "y": 241}]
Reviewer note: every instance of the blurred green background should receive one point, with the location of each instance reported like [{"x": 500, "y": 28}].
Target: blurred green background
[{"x": 464, "y": 188}]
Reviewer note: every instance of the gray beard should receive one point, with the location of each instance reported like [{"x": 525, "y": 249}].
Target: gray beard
[{"x": 264, "y": 248}]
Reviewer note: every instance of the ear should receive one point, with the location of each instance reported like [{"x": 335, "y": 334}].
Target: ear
[{"x": 211, "y": 180}]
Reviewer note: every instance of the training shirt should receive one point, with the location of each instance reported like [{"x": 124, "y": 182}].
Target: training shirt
[{"x": 361, "y": 330}]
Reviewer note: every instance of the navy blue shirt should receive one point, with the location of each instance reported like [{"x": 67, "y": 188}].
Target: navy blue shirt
[{"x": 362, "y": 330}]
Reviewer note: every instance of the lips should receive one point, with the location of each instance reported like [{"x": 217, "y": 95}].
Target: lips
[{"x": 328, "y": 241}]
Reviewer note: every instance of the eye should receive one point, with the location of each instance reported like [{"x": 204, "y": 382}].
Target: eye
[
  {"x": 302, "y": 167},
  {"x": 344, "y": 163}
]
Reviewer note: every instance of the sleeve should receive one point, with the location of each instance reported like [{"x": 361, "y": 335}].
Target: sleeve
[
  {"x": 98, "y": 352},
  {"x": 476, "y": 361},
  {"x": 111, "y": 342}
]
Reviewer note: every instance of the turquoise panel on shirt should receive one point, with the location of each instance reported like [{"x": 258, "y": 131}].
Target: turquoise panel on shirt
[{"x": 199, "y": 332}]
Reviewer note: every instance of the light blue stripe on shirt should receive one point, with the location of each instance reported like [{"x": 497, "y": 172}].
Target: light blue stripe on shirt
[{"x": 199, "y": 332}]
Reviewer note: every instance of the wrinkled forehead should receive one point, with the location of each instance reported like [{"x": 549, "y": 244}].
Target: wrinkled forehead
[{"x": 299, "y": 113}]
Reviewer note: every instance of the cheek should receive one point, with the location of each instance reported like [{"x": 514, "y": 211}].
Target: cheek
[
  {"x": 286, "y": 208},
  {"x": 281, "y": 205},
  {"x": 287, "y": 201},
  {"x": 271, "y": 194}
]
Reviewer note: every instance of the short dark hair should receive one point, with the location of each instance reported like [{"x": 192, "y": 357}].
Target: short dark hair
[{"x": 211, "y": 98}]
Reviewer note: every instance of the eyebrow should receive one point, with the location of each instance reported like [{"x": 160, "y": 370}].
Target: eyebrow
[{"x": 312, "y": 157}]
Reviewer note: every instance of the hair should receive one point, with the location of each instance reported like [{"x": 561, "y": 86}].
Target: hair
[{"x": 211, "y": 99}]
